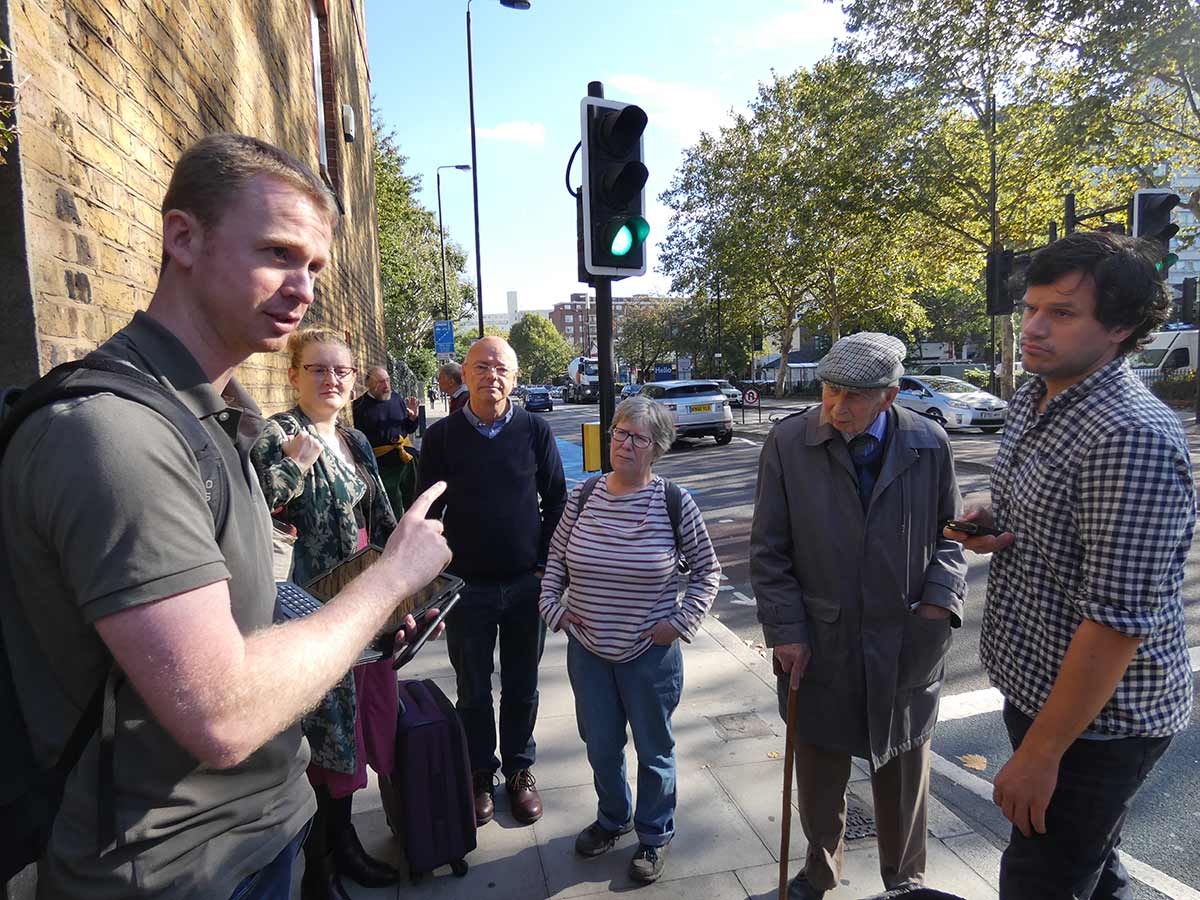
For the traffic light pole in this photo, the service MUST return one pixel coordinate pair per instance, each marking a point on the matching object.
(604, 351)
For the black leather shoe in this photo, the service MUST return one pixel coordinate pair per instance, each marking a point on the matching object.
(596, 839)
(353, 862)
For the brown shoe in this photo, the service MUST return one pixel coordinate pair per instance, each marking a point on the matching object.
(485, 805)
(523, 798)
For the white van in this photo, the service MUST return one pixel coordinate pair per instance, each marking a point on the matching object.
(1167, 352)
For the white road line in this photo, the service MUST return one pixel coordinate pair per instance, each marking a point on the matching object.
(990, 700)
(742, 600)
(724, 521)
(725, 587)
(1147, 874)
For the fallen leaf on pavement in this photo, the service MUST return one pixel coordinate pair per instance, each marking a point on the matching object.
(974, 761)
(773, 754)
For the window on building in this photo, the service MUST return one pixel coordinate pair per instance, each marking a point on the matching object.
(570, 318)
(328, 129)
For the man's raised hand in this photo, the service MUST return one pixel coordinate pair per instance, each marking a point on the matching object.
(417, 547)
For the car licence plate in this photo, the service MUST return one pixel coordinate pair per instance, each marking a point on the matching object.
(703, 407)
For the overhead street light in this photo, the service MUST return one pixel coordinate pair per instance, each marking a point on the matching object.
(511, 4)
(462, 167)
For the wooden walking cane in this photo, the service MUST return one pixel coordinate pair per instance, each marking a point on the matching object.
(789, 766)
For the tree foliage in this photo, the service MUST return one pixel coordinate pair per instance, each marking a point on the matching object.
(8, 131)
(543, 353)
(410, 260)
(464, 338)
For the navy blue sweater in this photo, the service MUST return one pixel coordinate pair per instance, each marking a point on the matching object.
(495, 524)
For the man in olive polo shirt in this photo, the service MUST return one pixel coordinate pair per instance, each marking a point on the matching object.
(111, 541)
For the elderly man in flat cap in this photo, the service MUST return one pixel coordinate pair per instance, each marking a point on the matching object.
(857, 593)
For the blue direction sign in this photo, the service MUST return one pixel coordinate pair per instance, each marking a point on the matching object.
(662, 371)
(443, 336)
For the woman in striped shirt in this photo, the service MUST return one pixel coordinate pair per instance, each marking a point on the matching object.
(624, 616)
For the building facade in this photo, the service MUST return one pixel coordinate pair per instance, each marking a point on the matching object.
(575, 319)
(111, 93)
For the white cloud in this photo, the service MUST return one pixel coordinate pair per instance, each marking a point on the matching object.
(811, 29)
(516, 133)
(683, 110)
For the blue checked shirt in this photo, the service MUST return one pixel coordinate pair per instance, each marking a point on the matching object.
(1098, 491)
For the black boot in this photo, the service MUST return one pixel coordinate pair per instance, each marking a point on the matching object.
(320, 877)
(349, 857)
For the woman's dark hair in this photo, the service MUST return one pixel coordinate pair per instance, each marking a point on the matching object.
(1130, 293)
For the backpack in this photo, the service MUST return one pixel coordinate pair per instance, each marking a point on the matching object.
(674, 498)
(30, 794)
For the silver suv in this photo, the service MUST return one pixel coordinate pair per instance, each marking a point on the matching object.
(699, 407)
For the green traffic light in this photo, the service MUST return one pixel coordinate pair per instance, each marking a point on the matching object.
(1166, 262)
(630, 234)
(622, 241)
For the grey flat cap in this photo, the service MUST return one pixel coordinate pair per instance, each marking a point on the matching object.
(864, 360)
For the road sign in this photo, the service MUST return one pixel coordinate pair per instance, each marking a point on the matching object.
(684, 363)
(662, 371)
(443, 336)
(751, 397)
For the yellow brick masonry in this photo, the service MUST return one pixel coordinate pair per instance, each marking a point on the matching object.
(114, 90)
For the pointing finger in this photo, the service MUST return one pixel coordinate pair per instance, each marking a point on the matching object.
(420, 506)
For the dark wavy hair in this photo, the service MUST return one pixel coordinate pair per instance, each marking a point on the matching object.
(1130, 293)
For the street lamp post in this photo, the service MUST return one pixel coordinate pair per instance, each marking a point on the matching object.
(463, 167)
(511, 4)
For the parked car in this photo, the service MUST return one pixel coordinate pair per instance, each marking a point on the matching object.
(732, 394)
(949, 369)
(952, 403)
(556, 393)
(538, 398)
(628, 391)
(699, 407)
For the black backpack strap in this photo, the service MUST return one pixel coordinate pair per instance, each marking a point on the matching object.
(586, 491)
(95, 374)
(674, 498)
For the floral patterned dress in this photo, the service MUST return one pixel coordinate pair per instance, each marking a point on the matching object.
(336, 509)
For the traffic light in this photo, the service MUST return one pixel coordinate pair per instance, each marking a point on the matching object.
(1187, 303)
(997, 273)
(614, 181)
(1152, 221)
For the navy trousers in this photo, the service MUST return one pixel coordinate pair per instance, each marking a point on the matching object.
(1077, 858)
(507, 610)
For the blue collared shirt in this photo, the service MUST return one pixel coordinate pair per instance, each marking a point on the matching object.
(488, 431)
(877, 429)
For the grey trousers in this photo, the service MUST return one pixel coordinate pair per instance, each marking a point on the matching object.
(901, 793)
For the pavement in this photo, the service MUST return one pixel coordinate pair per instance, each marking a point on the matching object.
(730, 747)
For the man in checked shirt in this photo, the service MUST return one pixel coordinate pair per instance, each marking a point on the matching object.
(1083, 630)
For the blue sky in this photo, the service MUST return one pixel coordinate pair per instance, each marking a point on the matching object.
(686, 62)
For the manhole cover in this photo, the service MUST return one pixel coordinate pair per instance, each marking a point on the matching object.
(734, 726)
(859, 821)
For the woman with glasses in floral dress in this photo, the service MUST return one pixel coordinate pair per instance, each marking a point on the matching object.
(321, 477)
(625, 618)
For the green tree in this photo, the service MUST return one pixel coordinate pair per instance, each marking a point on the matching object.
(541, 350)
(7, 103)
(788, 206)
(466, 337)
(410, 259)
(646, 333)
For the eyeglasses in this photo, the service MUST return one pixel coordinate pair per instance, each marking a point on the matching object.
(640, 441)
(341, 373)
(484, 369)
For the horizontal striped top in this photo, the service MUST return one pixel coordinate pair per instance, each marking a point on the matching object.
(621, 560)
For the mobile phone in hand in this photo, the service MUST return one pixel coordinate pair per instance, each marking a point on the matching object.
(424, 629)
(973, 529)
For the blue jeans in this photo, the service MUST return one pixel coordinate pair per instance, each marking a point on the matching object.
(642, 693)
(274, 880)
(1077, 859)
(508, 609)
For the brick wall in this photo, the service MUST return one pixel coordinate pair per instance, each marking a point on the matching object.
(112, 92)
